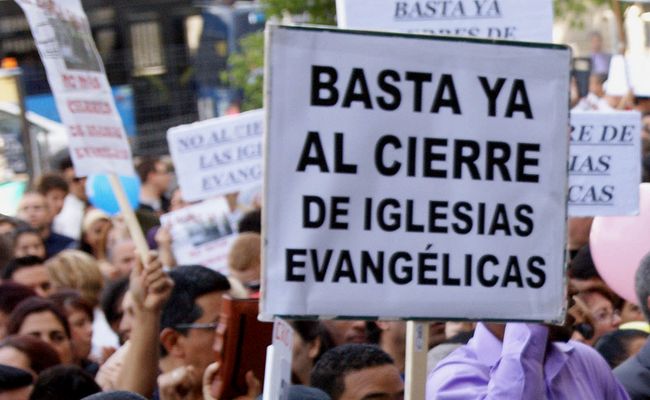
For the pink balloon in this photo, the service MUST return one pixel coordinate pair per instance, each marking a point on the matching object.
(619, 243)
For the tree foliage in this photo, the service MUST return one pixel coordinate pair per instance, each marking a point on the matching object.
(575, 8)
(318, 11)
(246, 70)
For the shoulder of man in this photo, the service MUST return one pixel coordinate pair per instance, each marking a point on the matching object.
(635, 378)
(59, 238)
(453, 373)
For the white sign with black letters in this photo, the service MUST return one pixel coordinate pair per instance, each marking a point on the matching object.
(530, 20)
(400, 187)
(605, 163)
(218, 156)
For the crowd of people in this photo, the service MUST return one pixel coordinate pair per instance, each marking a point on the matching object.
(84, 315)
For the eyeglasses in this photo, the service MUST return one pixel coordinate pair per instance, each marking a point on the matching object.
(205, 325)
(606, 316)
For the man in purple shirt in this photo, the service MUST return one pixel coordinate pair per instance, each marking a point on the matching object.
(519, 362)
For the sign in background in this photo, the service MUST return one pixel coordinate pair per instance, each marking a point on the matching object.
(201, 234)
(398, 187)
(605, 163)
(530, 20)
(218, 156)
(98, 141)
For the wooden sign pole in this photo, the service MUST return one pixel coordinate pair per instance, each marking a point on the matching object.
(129, 218)
(417, 347)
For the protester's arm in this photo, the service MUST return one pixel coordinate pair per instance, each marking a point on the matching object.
(150, 287)
(519, 374)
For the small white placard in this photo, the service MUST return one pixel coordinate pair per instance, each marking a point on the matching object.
(218, 156)
(201, 234)
(605, 163)
(530, 20)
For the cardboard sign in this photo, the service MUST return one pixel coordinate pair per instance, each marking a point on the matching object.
(218, 156)
(97, 139)
(629, 73)
(605, 163)
(530, 20)
(202, 234)
(428, 183)
(278, 362)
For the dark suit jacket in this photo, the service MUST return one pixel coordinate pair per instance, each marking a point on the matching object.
(634, 374)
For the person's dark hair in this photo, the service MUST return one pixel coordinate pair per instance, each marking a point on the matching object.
(329, 372)
(40, 354)
(145, 167)
(5, 219)
(642, 285)
(373, 332)
(310, 331)
(251, 222)
(69, 300)
(603, 291)
(190, 282)
(64, 382)
(14, 378)
(65, 163)
(645, 163)
(20, 263)
(6, 251)
(111, 299)
(35, 305)
(12, 294)
(614, 346)
(24, 230)
(582, 266)
(49, 182)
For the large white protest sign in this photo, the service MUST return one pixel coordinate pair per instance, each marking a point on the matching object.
(414, 176)
(218, 156)
(98, 142)
(201, 234)
(530, 20)
(604, 163)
